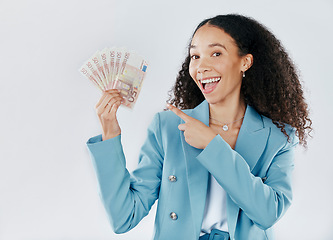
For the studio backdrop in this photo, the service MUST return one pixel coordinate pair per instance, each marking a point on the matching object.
(48, 188)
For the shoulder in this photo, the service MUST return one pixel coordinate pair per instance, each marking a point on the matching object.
(274, 129)
(168, 118)
(166, 122)
(277, 135)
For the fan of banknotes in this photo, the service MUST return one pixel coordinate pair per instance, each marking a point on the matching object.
(117, 68)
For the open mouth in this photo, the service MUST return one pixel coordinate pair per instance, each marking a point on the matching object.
(209, 84)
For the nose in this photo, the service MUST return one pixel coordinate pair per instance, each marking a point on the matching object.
(203, 67)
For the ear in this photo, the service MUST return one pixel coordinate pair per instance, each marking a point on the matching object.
(247, 62)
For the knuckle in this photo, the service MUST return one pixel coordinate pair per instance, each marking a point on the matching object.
(99, 112)
(102, 115)
(105, 115)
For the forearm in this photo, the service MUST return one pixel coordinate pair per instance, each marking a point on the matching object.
(128, 198)
(263, 203)
(114, 181)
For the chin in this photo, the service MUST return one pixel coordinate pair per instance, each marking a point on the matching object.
(212, 100)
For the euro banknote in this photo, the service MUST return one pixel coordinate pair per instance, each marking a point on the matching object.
(117, 68)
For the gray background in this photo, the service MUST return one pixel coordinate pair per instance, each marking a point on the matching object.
(47, 183)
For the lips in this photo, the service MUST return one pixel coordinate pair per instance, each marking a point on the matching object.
(209, 84)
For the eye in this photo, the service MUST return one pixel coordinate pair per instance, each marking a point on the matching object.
(216, 54)
(193, 57)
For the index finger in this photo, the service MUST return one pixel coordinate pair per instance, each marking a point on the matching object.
(179, 113)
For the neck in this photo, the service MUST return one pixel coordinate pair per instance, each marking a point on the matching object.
(228, 111)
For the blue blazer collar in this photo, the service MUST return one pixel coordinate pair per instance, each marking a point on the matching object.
(251, 142)
(252, 136)
(252, 120)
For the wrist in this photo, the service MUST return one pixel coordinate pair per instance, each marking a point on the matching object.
(109, 135)
(210, 138)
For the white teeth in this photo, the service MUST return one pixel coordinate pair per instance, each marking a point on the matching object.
(211, 80)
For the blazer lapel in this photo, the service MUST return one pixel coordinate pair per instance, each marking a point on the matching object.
(252, 137)
(251, 142)
(197, 175)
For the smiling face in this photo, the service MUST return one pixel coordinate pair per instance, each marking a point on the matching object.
(215, 65)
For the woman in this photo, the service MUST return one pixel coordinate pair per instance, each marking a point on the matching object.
(221, 168)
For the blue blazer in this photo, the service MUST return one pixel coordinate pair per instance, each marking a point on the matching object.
(256, 177)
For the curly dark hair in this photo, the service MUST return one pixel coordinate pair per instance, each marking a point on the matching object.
(271, 86)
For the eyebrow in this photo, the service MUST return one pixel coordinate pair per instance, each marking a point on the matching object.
(211, 45)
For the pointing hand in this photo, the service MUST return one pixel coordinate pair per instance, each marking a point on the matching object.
(196, 133)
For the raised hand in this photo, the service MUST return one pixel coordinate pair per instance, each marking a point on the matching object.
(196, 133)
(106, 110)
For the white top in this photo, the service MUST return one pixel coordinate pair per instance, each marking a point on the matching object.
(215, 215)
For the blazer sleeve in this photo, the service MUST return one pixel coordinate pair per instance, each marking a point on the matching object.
(127, 197)
(263, 202)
